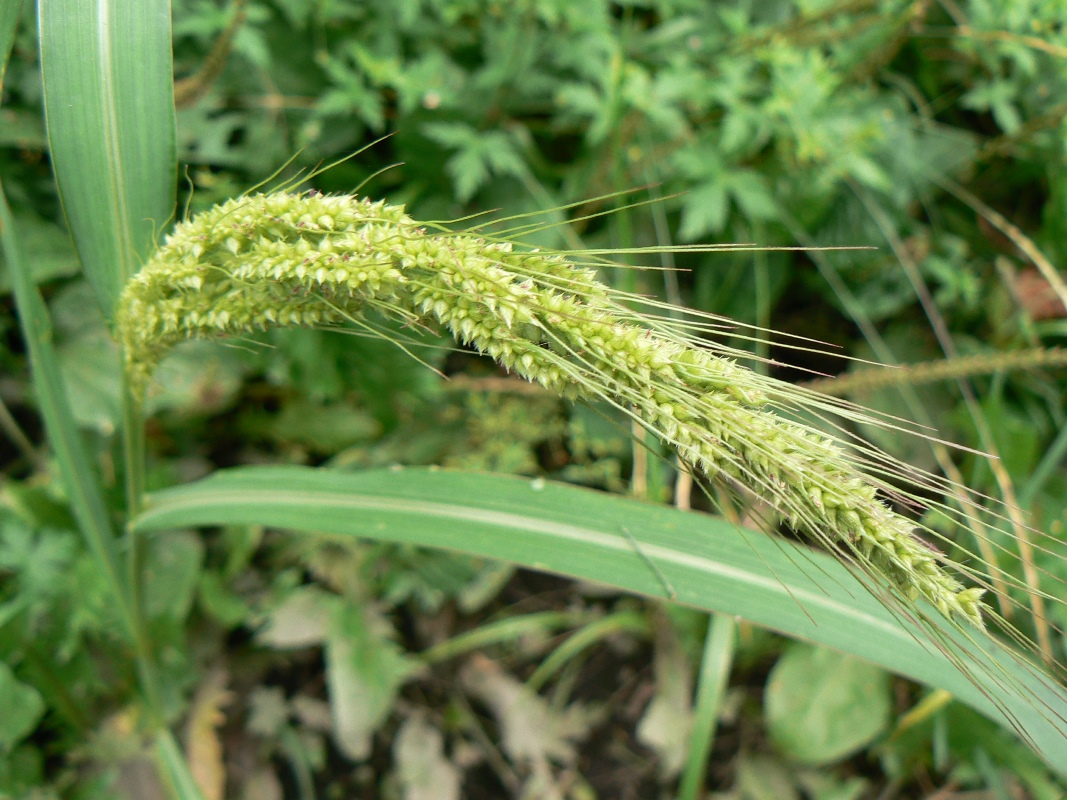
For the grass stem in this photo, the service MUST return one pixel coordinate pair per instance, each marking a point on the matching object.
(79, 478)
(715, 664)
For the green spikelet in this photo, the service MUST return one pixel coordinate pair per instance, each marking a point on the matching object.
(284, 259)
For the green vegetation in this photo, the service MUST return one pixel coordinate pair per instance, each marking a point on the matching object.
(176, 616)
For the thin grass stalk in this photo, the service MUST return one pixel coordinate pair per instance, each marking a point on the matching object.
(965, 31)
(1019, 239)
(763, 300)
(504, 630)
(86, 496)
(671, 289)
(1007, 142)
(1003, 479)
(133, 448)
(631, 622)
(917, 410)
(639, 450)
(191, 89)
(10, 426)
(1045, 469)
(958, 367)
(716, 662)
(683, 488)
(997, 576)
(174, 769)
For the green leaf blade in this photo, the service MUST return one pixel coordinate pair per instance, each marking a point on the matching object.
(699, 560)
(111, 130)
(174, 769)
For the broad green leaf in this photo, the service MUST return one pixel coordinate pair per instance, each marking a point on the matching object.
(695, 559)
(22, 768)
(478, 155)
(822, 705)
(108, 96)
(705, 210)
(822, 786)
(35, 563)
(220, 602)
(23, 709)
(752, 194)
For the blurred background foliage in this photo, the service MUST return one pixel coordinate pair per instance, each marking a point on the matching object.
(931, 130)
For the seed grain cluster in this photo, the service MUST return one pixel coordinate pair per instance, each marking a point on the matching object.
(287, 259)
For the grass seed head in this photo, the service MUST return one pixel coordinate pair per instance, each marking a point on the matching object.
(288, 259)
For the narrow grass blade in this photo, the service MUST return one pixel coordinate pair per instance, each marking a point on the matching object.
(75, 466)
(582, 639)
(715, 666)
(709, 563)
(9, 20)
(108, 96)
(174, 769)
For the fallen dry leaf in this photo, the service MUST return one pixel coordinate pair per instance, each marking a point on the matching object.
(667, 721)
(533, 732)
(421, 766)
(1037, 296)
(202, 746)
(301, 620)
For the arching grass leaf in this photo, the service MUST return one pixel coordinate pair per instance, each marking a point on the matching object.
(694, 559)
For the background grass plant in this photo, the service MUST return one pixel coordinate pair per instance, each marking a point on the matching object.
(837, 126)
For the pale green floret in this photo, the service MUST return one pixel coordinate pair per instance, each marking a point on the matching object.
(284, 259)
